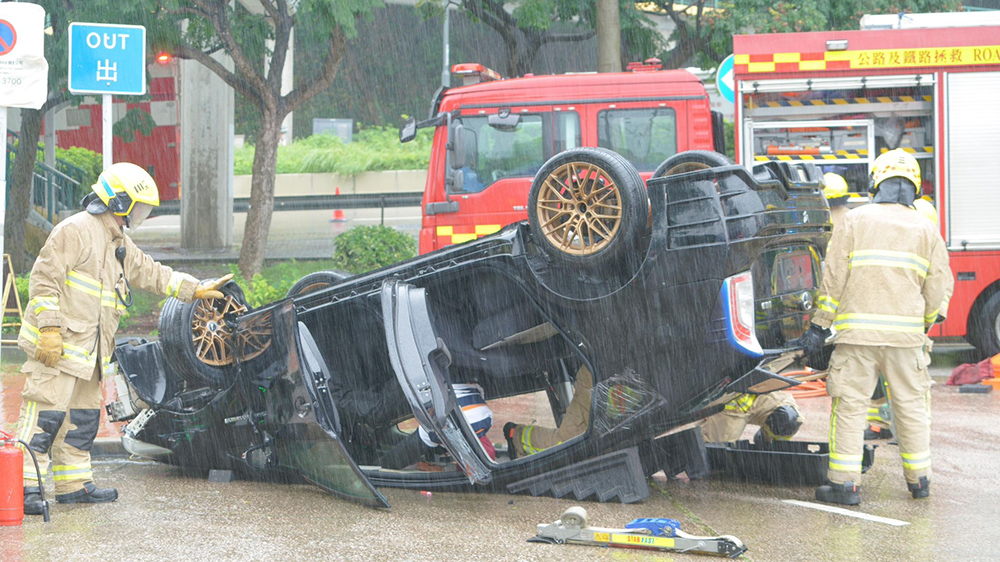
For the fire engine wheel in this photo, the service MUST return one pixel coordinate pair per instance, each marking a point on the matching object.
(317, 281)
(196, 340)
(984, 326)
(588, 205)
(691, 161)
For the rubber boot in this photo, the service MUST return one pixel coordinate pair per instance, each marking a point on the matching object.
(33, 501)
(89, 494)
(844, 494)
(920, 490)
(508, 434)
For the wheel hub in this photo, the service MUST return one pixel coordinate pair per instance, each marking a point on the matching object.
(579, 208)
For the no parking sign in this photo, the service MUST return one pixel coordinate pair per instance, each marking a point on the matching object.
(23, 71)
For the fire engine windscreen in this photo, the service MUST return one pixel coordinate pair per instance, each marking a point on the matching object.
(518, 152)
(646, 137)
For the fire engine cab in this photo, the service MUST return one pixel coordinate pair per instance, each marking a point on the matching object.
(492, 135)
(839, 99)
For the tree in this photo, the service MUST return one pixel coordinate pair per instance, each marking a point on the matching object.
(255, 34)
(22, 175)
(609, 41)
(531, 24)
(704, 29)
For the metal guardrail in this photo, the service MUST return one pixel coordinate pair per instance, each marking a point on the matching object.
(315, 202)
(52, 190)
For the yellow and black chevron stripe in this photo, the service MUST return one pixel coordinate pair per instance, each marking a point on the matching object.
(753, 104)
(838, 155)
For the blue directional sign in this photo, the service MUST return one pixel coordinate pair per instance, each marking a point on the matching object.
(725, 82)
(107, 59)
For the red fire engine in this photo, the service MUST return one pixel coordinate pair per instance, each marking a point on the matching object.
(493, 135)
(841, 98)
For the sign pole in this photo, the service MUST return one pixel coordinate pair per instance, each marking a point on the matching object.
(106, 125)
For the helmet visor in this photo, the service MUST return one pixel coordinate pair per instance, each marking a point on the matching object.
(138, 215)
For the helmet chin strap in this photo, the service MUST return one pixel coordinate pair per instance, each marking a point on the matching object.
(895, 190)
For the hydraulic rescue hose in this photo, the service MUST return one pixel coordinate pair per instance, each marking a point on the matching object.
(808, 389)
(41, 485)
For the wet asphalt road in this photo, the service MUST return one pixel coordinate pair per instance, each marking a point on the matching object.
(166, 514)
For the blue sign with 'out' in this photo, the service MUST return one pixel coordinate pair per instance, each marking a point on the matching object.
(107, 59)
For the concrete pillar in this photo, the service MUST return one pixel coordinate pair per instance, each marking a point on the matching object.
(206, 110)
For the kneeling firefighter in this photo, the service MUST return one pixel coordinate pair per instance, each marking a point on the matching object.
(79, 288)
(776, 413)
(885, 277)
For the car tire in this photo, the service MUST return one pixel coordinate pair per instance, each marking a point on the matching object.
(196, 343)
(316, 281)
(610, 204)
(690, 161)
(984, 326)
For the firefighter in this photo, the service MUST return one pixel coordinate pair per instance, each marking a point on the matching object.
(776, 413)
(885, 277)
(79, 288)
(879, 415)
(528, 439)
(837, 196)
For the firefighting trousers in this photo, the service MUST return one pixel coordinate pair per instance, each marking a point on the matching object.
(530, 439)
(728, 425)
(59, 419)
(854, 371)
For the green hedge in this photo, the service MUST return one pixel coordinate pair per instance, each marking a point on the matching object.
(365, 248)
(372, 150)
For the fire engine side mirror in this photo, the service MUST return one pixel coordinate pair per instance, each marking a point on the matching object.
(504, 120)
(462, 143)
(408, 131)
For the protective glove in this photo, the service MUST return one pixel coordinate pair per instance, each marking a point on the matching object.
(209, 289)
(813, 340)
(50, 346)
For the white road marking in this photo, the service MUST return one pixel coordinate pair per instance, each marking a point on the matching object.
(849, 513)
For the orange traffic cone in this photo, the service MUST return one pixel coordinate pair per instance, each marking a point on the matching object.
(338, 214)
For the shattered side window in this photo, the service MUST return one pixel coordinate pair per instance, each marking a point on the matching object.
(646, 137)
(620, 400)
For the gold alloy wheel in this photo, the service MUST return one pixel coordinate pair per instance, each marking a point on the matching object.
(212, 341)
(579, 208)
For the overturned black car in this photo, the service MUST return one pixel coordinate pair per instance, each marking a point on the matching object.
(670, 297)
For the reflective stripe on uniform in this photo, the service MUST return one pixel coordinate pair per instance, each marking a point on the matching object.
(526, 441)
(106, 367)
(174, 285)
(77, 354)
(30, 419)
(845, 463)
(827, 304)
(83, 283)
(110, 300)
(66, 472)
(879, 322)
(42, 304)
(889, 258)
(916, 461)
(742, 403)
(931, 317)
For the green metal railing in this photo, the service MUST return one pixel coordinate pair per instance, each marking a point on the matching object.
(51, 190)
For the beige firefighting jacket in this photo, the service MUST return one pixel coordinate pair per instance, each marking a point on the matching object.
(885, 278)
(73, 286)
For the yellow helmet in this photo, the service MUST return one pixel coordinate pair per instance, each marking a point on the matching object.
(896, 163)
(127, 191)
(926, 209)
(836, 186)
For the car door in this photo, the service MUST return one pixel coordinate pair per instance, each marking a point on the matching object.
(291, 373)
(420, 360)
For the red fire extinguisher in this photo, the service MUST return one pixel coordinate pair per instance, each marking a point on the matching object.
(12, 481)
